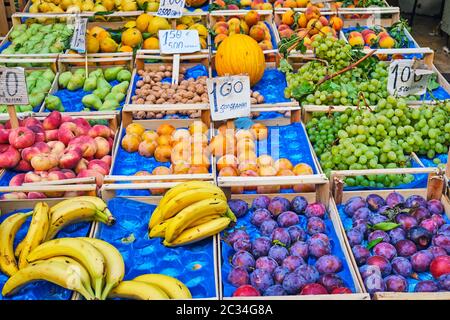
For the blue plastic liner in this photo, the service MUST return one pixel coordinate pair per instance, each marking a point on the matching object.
(429, 162)
(192, 264)
(347, 222)
(5, 45)
(253, 231)
(42, 290)
(71, 100)
(439, 93)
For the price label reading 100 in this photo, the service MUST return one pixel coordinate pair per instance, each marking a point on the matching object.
(171, 8)
(13, 86)
(224, 90)
(404, 75)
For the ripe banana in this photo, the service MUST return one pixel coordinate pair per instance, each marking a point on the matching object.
(179, 188)
(115, 267)
(78, 267)
(8, 230)
(173, 287)
(98, 202)
(72, 213)
(159, 230)
(19, 249)
(78, 249)
(36, 232)
(138, 290)
(62, 274)
(184, 199)
(200, 232)
(193, 212)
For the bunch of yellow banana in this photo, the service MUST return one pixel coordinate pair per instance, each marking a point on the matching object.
(190, 212)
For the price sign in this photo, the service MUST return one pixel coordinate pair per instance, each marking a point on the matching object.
(13, 87)
(405, 79)
(78, 42)
(178, 41)
(229, 97)
(170, 8)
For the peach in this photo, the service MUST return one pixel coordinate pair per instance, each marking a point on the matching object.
(282, 164)
(35, 149)
(200, 159)
(51, 135)
(267, 171)
(249, 173)
(323, 20)
(257, 33)
(328, 30)
(165, 129)
(4, 135)
(131, 142)
(221, 30)
(314, 25)
(227, 161)
(302, 21)
(366, 32)
(336, 23)
(99, 131)
(147, 148)
(84, 173)
(247, 165)
(103, 147)
(265, 160)
(282, 27)
(385, 42)
(266, 6)
(223, 130)
(286, 33)
(70, 158)
(66, 118)
(180, 135)
(66, 132)
(304, 188)
(370, 39)
(56, 175)
(87, 145)
(142, 173)
(99, 166)
(31, 177)
(44, 161)
(149, 135)
(163, 153)
(30, 121)
(199, 139)
(218, 24)
(159, 171)
(21, 138)
(56, 147)
(82, 164)
(302, 169)
(23, 166)
(14, 196)
(260, 131)
(288, 17)
(356, 41)
(244, 134)
(312, 12)
(290, 4)
(228, 172)
(180, 167)
(197, 170)
(107, 159)
(17, 180)
(164, 140)
(251, 18)
(247, 156)
(39, 133)
(52, 121)
(9, 156)
(220, 145)
(302, 3)
(83, 126)
(69, 174)
(135, 128)
(219, 38)
(285, 172)
(181, 151)
(265, 45)
(36, 195)
(245, 144)
(198, 127)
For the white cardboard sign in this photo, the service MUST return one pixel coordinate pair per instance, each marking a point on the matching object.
(405, 80)
(229, 97)
(178, 41)
(13, 86)
(78, 42)
(170, 8)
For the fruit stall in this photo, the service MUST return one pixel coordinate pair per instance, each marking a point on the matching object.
(232, 149)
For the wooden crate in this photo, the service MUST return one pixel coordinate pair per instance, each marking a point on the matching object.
(7, 9)
(434, 190)
(321, 195)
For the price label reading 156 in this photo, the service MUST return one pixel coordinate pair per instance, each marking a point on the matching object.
(170, 8)
(13, 87)
(178, 41)
(229, 97)
(405, 80)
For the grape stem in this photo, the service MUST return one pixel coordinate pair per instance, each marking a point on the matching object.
(349, 67)
(361, 95)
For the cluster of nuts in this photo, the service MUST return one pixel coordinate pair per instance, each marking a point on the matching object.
(256, 97)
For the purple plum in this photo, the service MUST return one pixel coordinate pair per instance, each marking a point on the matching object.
(361, 254)
(426, 286)
(308, 272)
(396, 283)
(444, 282)
(444, 229)
(318, 248)
(328, 264)
(315, 225)
(281, 235)
(442, 241)
(420, 213)
(260, 202)
(242, 244)
(368, 270)
(279, 273)
(362, 213)
(355, 237)
(402, 266)
(375, 202)
(299, 249)
(383, 263)
(261, 246)
(299, 204)
(315, 209)
(438, 219)
(396, 235)
(259, 216)
(383, 210)
(406, 221)
(331, 281)
(405, 248)
(386, 250)
(415, 201)
(430, 225)
(287, 219)
(266, 228)
(361, 225)
(266, 264)
(243, 259)
(261, 279)
(275, 290)
(235, 235)
(238, 207)
(420, 236)
(374, 283)
(435, 206)
(238, 277)
(421, 260)
(293, 283)
(437, 251)
(378, 234)
(394, 198)
(278, 205)
(296, 233)
(292, 262)
(278, 253)
(354, 204)
(320, 236)
(376, 218)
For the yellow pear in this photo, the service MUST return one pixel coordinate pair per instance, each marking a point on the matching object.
(202, 30)
(65, 4)
(158, 23)
(73, 9)
(99, 8)
(44, 7)
(108, 45)
(108, 4)
(92, 44)
(88, 5)
(34, 8)
(129, 5)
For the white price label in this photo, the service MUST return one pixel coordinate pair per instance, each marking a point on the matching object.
(13, 87)
(170, 8)
(178, 41)
(78, 42)
(405, 80)
(229, 97)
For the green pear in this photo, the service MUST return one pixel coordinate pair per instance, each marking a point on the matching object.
(36, 98)
(25, 108)
(49, 75)
(76, 82)
(64, 79)
(80, 72)
(121, 87)
(124, 75)
(53, 103)
(102, 83)
(101, 92)
(111, 73)
(92, 101)
(43, 85)
(117, 96)
(90, 84)
(96, 74)
(109, 105)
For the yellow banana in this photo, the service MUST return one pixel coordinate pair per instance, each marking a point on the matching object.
(203, 220)
(62, 274)
(194, 212)
(138, 290)
(98, 202)
(36, 232)
(72, 213)
(184, 199)
(19, 249)
(8, 230)
(179, 188)
(115, 267)
(80, 250)
(159, 231)
(200, 232)
(78, 267)
(173, 287)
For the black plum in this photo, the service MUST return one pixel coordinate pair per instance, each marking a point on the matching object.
(261, 280)
(437, 251)
(378, 234)
(275, 290)
(316, 209)
(243, 259)
(386, 250)
(328, 264)
(292, 262)
(402, 266)
(396, 283)
(287, 219)
(293, 283)
(296, 233)
(266, 228)
(266, 264)
(420, 236)
(444, 282)
(354, 204)
(375, 202)
(315, 225)
(308, 272)
(242, 244)
(261, 246)
(406, 221)
(405, 248)
(383, 263)
(396, 235)
(279, 205)
(430, 225)
(361, 254)
(415, 201)
(421, 260)
(278, 253)
(331, 281)
(299, 249)
(368, 270)
(426, 286)
(435, 206)
(238, 207)
(299, 204)
(376, 218)
(279, 273)
(355, 236)
(442, 241)
(238, 277)
(420, 213)
(394, 198)
(281, 235)
(362, 213)
(318, 248)
(259, 216)
(374, 283)
(235, 235)
(260, 202)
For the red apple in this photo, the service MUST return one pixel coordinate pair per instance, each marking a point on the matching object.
(4, 135)
(439, 266)
(39, 133)
(99, 166)
(70, 158)
(23, 166)
(246, 291)
(9, 156)
(66, 132)
(17, 180)
(87, 145)
(53, 121)
(100, 131)
(111, 143)
(91, 173)
(66, 118)
(21, 138)
(103, 147)
(36, 195)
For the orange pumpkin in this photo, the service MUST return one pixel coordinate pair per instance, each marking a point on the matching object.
(240, 54)
(195, 3)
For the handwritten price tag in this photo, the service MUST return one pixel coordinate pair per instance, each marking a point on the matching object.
(178, 41)
(78, 42)
(170, 8)
(13, 87)
(404, 79)
(229, 97)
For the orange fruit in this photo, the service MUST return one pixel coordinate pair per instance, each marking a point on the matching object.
(151, 43)
(132, 37)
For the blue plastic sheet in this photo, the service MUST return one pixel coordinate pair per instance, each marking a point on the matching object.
(71, 100)
(192, 264)
(253, 231)
(429, 162)
(42, 290)
(5, 45)
(439, 93)
(347, 222)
